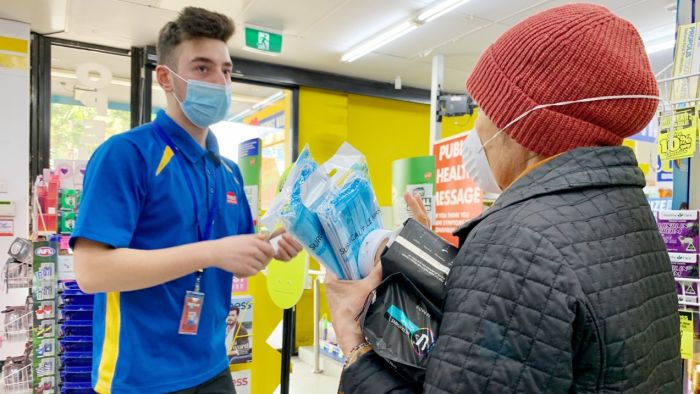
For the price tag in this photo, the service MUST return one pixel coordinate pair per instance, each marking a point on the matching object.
(684, 138)
(686, 335)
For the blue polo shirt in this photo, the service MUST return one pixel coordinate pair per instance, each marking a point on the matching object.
(135, 196)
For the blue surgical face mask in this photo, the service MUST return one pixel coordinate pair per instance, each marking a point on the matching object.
(205, 103)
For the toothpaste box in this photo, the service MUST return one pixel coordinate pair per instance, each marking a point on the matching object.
(679, 230)
(685, 266)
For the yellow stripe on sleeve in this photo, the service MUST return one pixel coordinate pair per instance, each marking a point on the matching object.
(110, 346)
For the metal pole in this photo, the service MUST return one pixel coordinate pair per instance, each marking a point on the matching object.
(435, 87)
(317, 336)
(287, 346)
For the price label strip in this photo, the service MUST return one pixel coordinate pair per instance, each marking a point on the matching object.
(687, 334)
(683, 139)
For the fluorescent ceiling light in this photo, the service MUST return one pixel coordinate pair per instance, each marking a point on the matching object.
(660, 39)
(660, 46)
(269, 100)
(262, 104)
(439, 10)
(378, 41)
(240, 116)
(425, 16)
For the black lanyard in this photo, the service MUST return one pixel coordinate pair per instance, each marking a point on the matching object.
(202, 235)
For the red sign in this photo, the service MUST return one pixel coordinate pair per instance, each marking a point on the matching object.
(457, 198)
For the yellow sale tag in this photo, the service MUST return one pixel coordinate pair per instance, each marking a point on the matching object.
(686, 335)
(684, 137)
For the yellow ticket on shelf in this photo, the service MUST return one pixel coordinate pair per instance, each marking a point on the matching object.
(684, 136)
(686, 335)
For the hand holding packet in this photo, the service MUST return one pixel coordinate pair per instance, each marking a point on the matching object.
(341, 194)
(299, 221)
(329, 209)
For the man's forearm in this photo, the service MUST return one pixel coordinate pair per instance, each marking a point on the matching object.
(101, 269)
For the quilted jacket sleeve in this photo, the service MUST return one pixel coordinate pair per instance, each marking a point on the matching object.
(507, 324)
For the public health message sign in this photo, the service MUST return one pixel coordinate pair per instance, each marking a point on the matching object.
(457, 198)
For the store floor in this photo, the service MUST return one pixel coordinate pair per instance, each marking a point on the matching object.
(304, 381)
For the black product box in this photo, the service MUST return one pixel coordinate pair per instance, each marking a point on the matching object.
(423, 256)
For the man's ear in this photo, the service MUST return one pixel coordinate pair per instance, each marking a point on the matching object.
(164, 78)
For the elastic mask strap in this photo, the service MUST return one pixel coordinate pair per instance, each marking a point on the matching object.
(593, 99)
(177, 75)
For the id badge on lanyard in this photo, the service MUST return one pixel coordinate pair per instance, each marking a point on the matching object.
(193, 303)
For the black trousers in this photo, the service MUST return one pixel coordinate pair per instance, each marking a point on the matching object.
(219, 384)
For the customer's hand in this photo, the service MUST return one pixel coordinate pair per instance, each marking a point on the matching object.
(287, 246)
(242, 255)
(346, 298)
(415, 205)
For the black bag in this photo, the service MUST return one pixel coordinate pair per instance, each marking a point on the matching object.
(401, 324)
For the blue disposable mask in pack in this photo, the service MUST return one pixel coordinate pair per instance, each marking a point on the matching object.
(205, 103)
(297, 219)
(341, 194)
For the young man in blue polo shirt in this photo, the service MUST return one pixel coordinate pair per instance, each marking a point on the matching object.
(164, 223)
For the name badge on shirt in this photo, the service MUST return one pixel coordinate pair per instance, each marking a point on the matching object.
(191, 312)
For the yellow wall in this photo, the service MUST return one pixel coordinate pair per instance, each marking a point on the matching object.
(384, 130)
(453, 126)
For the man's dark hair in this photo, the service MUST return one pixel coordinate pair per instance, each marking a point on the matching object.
(192, 23)
(235, 308)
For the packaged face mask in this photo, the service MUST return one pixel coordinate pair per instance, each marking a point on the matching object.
(297, 219)
(341, 194)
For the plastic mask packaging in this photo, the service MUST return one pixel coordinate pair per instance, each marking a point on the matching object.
(297, 219)
(341, 194)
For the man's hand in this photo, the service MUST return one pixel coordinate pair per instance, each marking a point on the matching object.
(242, 255)
(287, 246)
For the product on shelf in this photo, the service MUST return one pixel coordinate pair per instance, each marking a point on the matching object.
(679, 230)
(685, 266)
(44, 290)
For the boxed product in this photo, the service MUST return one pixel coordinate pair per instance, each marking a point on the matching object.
(679, 230)
(66, 222)
(423, 256)
(68, 200)
(685, 266)
(47, 223)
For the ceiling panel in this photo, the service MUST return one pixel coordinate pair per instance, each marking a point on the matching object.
(358, 20)
(422, 40)
(475, 42)
(289, 16)
(44, 16)
(121, 24)
(317, 32)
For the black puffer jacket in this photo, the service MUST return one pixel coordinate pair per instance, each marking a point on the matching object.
(564, 285)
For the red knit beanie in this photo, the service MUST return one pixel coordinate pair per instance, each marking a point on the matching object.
(566, 53)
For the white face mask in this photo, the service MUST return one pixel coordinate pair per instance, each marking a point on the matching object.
(476, 163)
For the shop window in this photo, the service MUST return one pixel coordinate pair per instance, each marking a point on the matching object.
(90, 98)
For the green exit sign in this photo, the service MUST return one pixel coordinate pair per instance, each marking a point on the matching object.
(263, 40)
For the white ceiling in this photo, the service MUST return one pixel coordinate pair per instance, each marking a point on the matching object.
(317, 32)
